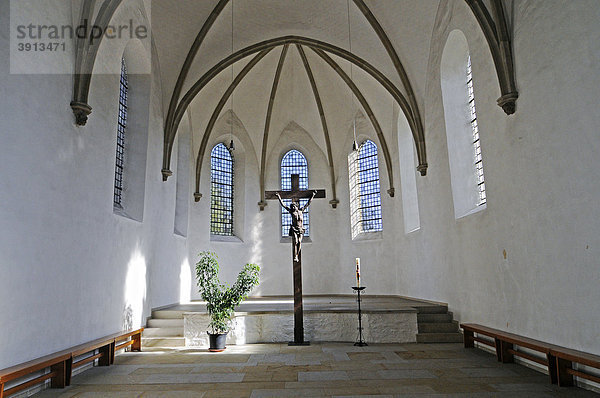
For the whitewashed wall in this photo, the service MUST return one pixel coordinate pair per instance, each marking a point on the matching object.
(70, 267)
(541, 167)
(73, 264)
(541, 176)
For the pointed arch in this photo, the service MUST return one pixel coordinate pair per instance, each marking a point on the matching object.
(334, 202)
(215, 115)
(313, 44)
(365, 104)
(265, 141)
(496, 33)
(462, 130)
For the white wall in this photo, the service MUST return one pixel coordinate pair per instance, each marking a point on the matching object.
(541, 178)
(67, 259)
(70, 267)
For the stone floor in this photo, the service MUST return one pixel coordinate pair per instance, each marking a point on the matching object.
(319, 370)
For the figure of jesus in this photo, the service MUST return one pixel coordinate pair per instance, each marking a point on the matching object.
(297, 227)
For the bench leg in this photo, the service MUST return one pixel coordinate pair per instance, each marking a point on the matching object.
(506, 355)
(68, 371)
(564, 378)
(137, 342)
(1, 390)
(468, 336)
(552, 371)
(498, 345)
(104, 360)
(60, 379)
(112, 352)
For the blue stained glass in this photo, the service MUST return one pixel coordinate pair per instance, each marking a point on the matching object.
(221, 191)
(293, 162)
(370, 192)
(121, 128)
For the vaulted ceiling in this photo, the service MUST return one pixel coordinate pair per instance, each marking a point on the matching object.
(316, 63)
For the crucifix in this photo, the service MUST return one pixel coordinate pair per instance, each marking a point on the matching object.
(296, 232)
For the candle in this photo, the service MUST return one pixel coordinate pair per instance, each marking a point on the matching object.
(357, 271)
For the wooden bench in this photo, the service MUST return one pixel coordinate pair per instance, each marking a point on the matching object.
(62, 364)
(565, 357)
(559, 360)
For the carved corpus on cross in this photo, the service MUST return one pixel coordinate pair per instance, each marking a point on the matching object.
(295, 195)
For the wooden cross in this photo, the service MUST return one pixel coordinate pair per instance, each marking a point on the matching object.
(295, 195)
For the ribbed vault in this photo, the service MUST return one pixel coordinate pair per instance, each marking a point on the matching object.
(304, 31)
(262, 49)
(177, 107)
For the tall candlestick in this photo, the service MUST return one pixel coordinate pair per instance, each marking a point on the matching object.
(357, 271)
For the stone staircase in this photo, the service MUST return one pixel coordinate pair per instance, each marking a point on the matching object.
(436, 325)
(164, 329)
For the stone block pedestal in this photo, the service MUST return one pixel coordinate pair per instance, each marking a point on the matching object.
(332, 326)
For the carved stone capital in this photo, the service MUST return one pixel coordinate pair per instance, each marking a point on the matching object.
(334, 203)
(81, 111)
(391, 192)
(197, 196)
(262, 204)
(508, 102)
(166, 173)
(422, 168)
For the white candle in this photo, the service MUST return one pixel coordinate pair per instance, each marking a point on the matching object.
(358, 271)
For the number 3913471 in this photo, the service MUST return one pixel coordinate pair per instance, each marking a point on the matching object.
(41, 46)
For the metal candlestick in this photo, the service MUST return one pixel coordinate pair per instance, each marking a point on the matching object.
(360, 342)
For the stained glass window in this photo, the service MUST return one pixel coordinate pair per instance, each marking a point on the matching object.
(365, 192)
(293, 162)
(221, 191)
(121, 129)
(475, 130)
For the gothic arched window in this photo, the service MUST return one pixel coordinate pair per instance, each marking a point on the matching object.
(293, 162)
(121, 129)
(221, 191)
(365, 193)
(462, 127)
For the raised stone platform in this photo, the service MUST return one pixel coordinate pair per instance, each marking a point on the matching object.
(386, 319)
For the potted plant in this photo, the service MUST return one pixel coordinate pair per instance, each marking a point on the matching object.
(220, 298)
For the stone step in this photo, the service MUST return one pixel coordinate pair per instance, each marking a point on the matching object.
(164, 323)
(163, 332)
(167, 314)
(163, 342)
(432, 309)
(433, 318)
(438, 327)
(439, 338)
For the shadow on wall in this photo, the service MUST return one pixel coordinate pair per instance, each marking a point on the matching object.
(135, 291)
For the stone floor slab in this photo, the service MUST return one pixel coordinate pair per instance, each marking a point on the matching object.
(326, 375)
(194, 378)
(319, 370)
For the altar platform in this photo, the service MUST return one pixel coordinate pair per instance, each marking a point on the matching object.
(327, 318)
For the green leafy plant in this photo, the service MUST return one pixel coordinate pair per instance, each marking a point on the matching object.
(221, 299)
